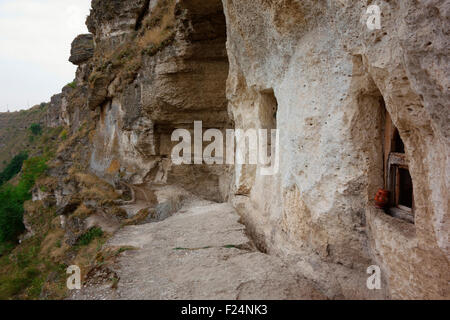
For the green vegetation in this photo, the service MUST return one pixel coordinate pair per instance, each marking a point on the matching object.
(19, 283)
(72, 84)
(191, 249)
(90, 235)
(230, 246)
(26, 267)
(36, 129)
(155, 32)
(15, 132)
(63, 134)
(24, 272)
(158, 29)
(13, 167)
(12, 199)
(126, 248)
(5, 247)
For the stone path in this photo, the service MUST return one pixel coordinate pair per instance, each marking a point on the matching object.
(201, 252)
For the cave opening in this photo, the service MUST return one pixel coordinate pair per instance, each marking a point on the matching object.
(397, 143)
(397, 178)
(197, 94)
(268, 117)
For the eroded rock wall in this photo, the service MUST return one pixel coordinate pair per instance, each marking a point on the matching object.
(176, 80)
(332, 79)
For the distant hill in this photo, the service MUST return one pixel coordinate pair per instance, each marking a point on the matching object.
(15, 132)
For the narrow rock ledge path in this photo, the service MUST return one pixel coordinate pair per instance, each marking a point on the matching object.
(201, 252)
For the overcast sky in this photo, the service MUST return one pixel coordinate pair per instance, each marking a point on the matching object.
(35, 38)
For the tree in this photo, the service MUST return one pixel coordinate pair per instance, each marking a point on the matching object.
(13, 167)
(12, 199)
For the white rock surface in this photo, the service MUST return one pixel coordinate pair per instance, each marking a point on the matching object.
(202, 252)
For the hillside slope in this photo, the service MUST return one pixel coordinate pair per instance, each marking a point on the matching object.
(15, 131)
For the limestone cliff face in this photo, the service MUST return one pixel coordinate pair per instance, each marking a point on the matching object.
(311, 69)
(328, 71)
(179, 76)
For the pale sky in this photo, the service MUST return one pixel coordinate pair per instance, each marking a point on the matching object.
(35, 38)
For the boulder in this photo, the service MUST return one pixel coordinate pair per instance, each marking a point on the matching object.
(82, 49)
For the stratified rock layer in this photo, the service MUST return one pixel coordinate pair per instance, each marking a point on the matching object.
(82, 49)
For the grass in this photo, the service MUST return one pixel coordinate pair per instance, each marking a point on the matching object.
(158, 27)
(123, 63)
(6, 247)
(228, 246)
(72, 84)
(126, 248)
(34, 269)
(23, 272)
(63, 135)
(89, 236)
(190, 249)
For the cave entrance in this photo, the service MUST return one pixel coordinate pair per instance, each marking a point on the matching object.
(197, 82)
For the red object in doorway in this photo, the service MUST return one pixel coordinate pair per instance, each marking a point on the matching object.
(382, 198)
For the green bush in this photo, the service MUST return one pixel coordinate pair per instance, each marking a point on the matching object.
(90, 235)
(16, 285)
(13, 167)
(72, 84)
(12, 199)
(5, 248)
(36, 129)
(11, 213)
